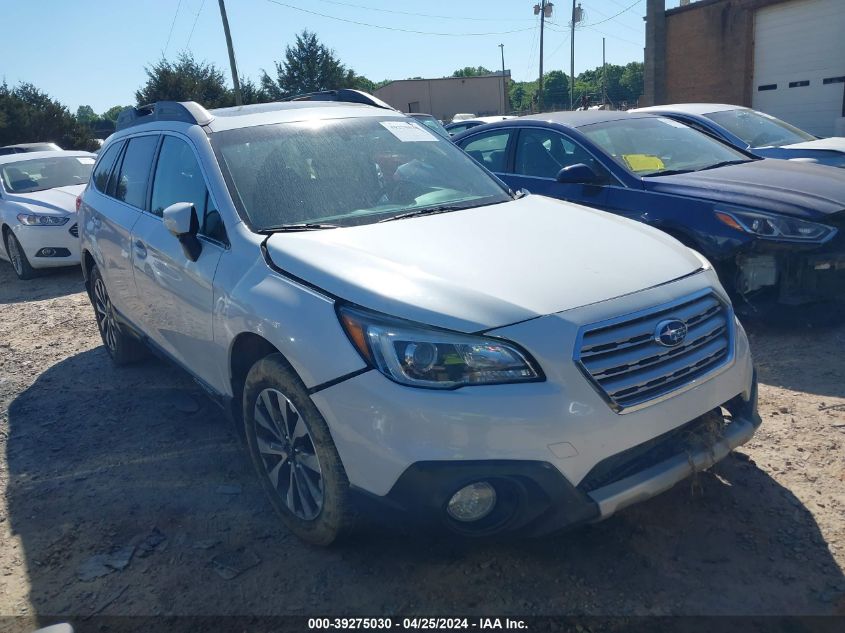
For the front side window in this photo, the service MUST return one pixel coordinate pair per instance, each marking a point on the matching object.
(346, 172)
(26, 176)
(542, 153)
(654, 146)
(489, 149)
(131, 182)
(178, 178)
(758, 129)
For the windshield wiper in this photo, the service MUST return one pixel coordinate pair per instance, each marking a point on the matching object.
(666, 172)
(725, 163)
(426, 211)
(301, 226)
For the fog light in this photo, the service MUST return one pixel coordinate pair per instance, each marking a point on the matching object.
(45, 252)
(472, 502)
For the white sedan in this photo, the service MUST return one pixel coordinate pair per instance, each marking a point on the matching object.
(38, 193)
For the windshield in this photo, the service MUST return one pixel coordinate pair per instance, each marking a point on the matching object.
(347, 172)
(651, 146)
(758, 129)
(26, 176)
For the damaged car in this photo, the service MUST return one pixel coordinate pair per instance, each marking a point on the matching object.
(386, 320)
(774, 230)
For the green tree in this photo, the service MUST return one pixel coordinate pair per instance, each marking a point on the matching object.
(555, 90)
(85, 114)
(472, 71)
(185, 79)
(251, 92)
(28, 115)
(309, 66)
(112, 113)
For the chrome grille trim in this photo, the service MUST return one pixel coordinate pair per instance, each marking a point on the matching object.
(630, 370)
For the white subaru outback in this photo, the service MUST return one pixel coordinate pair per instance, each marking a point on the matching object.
(385, 317)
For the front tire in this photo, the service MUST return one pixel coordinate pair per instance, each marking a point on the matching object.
(293, 453)
(17, 257)
(123, 348)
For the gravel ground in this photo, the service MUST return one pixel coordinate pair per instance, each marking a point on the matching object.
(126, 492)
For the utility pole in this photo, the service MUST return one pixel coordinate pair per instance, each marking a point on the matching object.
(235, 83)
(545, 11)
(572, 59)
(505, 104)
(603, 75)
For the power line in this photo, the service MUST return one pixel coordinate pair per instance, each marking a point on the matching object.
(615, 15)
(392, 28)
(422, 15)
(188, 43)
(172, 24)
(610, 17)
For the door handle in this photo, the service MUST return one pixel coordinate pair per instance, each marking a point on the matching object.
(140, 249)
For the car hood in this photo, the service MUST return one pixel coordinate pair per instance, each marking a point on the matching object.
(797, 189)
(486, 267)
(60, 199)
(836, 143)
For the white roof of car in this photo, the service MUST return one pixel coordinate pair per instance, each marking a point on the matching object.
(18, 158)
(269, 113)
(691, 108)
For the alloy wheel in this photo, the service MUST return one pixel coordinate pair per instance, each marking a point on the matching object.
(105, 314)
(288, 454)
(14, 254)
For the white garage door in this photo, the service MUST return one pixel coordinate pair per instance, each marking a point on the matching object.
(799, 63)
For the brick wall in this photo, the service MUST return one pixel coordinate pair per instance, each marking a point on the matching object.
(709, 52)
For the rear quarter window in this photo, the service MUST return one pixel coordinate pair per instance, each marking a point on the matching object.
(104, 166)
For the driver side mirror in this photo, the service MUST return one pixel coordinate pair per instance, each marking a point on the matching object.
(181, 220)
(578, 173)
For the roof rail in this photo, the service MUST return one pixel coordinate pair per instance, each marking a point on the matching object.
(344, 94)
(185, 111)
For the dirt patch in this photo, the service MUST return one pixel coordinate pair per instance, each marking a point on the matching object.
(126, 492)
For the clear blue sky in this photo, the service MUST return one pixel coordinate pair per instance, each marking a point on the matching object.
(94, 51)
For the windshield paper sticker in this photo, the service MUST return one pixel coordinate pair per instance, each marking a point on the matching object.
(408, 132)
(643, 162)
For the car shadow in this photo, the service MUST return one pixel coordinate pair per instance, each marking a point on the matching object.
(52, 283)
(129, 494)
(805, 359)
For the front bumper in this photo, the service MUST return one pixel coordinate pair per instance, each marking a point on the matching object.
(535, 499)
(59, 238)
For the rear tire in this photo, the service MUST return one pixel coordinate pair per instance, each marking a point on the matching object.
(122, 347)
(293, 453)
(17, 257)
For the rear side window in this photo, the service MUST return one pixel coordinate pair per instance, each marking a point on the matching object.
(104, 166)
(178, 178)
(131, 185)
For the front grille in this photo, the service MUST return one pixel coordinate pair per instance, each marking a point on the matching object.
(74, 230)
(630, 368)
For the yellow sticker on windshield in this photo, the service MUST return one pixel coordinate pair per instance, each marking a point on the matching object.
(643, 162)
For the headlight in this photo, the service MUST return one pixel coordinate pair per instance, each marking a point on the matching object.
(35, 219)
(775, 227)
(423, 356)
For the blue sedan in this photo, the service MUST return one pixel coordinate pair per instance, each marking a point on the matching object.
(757, 132)
(774, 230)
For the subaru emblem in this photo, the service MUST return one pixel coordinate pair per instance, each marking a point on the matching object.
(670, 333)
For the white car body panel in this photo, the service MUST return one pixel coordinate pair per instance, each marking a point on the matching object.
(486, 267)
(835, 143)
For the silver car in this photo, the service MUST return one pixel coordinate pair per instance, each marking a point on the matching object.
(386, 318)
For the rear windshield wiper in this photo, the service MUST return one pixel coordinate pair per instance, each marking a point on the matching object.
(301, 226)
(426, 211)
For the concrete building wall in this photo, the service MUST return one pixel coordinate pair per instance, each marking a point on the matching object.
(443, 98)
